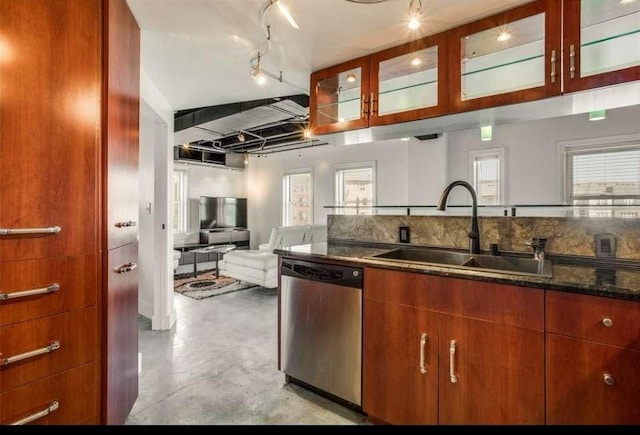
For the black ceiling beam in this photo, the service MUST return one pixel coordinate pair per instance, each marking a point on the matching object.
(190, 118)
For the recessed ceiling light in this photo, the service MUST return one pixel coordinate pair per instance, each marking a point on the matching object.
(504, 36)
(351, 78)
(405, 139)
(416, 61)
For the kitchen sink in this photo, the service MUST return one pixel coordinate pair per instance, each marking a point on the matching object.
(459, 260)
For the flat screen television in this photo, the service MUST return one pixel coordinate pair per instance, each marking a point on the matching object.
(222, 213)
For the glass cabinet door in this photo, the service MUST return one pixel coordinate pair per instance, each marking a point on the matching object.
(602, 43)
(508, 58)
(409, 82)
(340, 98)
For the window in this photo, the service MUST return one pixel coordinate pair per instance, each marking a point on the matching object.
(486, 169)
(602, 177)
(297, 198)
(180, 201)
(356, 188)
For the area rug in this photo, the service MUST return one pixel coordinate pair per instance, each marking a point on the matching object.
(206, 286)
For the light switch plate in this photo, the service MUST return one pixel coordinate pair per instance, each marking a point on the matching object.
(605, 246)
(404, 235)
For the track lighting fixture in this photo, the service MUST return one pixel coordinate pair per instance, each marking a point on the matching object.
(285, 13)
(257, 74)
(241, 137)
(307, 134)
(415, 14)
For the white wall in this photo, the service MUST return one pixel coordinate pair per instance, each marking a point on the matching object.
(156, 237)
(208, 181)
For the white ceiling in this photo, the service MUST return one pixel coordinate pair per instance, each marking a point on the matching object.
(197, 51)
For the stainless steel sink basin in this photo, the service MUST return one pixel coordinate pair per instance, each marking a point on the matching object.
(459, 260)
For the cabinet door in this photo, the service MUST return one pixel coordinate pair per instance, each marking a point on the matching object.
(601, 43)
(123, 114)
(400, 365)
(410, 82)
(490, 373)
(50, 119)
(589, 383)
(122, 333)
(340, 97)
(509, 58)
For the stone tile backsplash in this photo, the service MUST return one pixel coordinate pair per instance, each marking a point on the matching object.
(570, 236)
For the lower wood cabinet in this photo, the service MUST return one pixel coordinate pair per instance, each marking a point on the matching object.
(400, 366)
(490, 373)
(591, 383)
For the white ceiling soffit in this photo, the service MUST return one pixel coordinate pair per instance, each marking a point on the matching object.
(197, 51)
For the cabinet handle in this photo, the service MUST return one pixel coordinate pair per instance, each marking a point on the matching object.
(553, 66)
(374, 109)
(28, 231)
(53, 406)
(126, 268)
(127, 224)
(423, 343)
(607, 322)
(36, 291)
(572, 61)
(452, 362)
(608, 379)
(47, 349)
(365, 102)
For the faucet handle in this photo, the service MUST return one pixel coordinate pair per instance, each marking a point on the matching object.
(537, 242)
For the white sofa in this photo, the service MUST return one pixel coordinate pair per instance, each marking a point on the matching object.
(260, 267)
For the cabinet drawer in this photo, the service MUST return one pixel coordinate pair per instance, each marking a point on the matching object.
(76, 333)
(75, 391)
(77, 278)
(412, 289)
(590, 383)
(510, 305)
(594, 318)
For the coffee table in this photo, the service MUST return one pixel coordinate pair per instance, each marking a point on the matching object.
(219, 250)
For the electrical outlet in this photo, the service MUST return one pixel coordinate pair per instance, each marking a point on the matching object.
(404, 234)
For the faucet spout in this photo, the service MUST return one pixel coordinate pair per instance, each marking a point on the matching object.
(474, 233)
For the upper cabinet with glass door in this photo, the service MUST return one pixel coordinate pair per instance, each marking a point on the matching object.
(508, 58)
(409, 82)
(601, 43)
(340, 97)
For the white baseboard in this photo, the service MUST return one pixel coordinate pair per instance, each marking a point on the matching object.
(145, 308)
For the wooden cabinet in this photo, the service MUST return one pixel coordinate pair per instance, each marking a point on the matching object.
(400, 364)
(508, 58)
(601, 41)
(490, 373)
(591, 383)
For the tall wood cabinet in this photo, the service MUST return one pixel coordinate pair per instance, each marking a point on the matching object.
(68, 139)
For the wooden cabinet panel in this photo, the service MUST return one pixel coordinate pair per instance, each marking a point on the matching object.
(75, 391)
(75, 332)
(510, 305)
(413, 289)
(122, 117)
(121, 350)
(577, 391)
(397, 388)
(77, 278)
(499, 370)
(599, 319)
(492, 61)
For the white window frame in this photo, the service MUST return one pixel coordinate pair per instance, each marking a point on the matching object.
(184, 224)
(564, 148)
(287, 173)
(502, 173)
(359, 165)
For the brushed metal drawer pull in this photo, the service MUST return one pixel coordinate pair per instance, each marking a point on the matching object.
(27, 231)
(452, 362)
(127, 224)
(126, 268)
(553, 66)
(607, 322)
(53, 406)
(47, 349)
(423, 343)
(572, 61)
(36, 291)
(608, 379)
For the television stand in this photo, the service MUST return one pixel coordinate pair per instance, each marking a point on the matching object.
(225, 236)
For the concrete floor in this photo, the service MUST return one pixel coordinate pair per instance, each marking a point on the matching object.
(218, 366)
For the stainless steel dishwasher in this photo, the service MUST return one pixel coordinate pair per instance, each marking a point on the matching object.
(321, 327)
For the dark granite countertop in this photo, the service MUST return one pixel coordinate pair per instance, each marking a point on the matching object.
(609, 281)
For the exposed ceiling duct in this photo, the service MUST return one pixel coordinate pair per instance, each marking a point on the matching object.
(256, 127)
